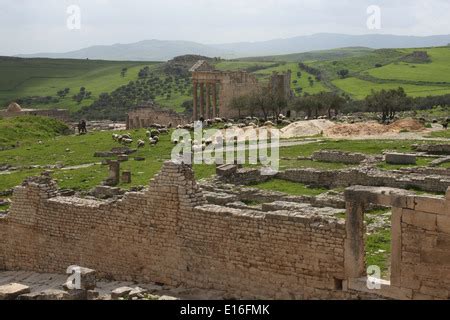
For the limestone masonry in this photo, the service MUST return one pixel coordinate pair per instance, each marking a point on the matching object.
(214, 90)
(169, 234)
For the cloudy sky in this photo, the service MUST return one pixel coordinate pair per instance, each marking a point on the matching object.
(30, 26)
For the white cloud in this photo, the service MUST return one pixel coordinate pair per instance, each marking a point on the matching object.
(30, 26)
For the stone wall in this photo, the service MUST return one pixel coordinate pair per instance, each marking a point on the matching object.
(59, 114)
(433, 148)
(145, 116)
(349, 177)
(420, 258)
(168, 234)
(338, 156)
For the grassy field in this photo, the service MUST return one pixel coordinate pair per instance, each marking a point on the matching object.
(357, 63)
(75, 151)
(436, 71)
(359, 89)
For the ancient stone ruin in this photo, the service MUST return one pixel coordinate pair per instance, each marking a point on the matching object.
(145, 115)
(171, 234)
(15, 110)
(214, 90)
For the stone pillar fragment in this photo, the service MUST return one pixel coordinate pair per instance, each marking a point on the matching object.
(354, 242)
(114, 174)
(195, 95)
(214, 100)
(126, 177)
(202, 100)
(208, 101)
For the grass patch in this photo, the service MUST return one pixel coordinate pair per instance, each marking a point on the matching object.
(440, 134)
(378, 250)
(292, 188)
(421, 162)
(29, 128)
(4, 207)
(8, 181)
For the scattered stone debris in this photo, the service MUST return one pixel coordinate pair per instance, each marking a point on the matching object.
(439, 161)
(48, 294)
(106, 192)
(12, 291)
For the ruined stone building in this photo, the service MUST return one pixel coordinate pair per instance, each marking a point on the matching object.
(15, 110)
(169, 234)
(146, 115)
(214, 90)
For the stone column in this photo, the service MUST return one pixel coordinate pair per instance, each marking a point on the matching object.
(195, 93)
(214, 100)
(114, 174)
(202, 100)
(208, 101)
(354, 242)
(126, 177)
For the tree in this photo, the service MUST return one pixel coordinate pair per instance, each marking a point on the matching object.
(188, 106)
(343, 73)
(388, 102)
(123, 72)
(242, 103)
(319, 104)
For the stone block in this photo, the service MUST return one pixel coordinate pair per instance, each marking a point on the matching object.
(12, 291)
(431, 204)
(83, 279)
(121, 292)
(126, 177)
(122, 157)
(423, 220)
(400, 158)
(436, 257)
(443, 224)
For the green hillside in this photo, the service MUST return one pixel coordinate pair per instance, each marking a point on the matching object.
(35, 82)
(436, 71)
(29, 128)
(45, 77)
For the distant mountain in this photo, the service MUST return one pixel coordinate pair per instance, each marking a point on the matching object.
(148, 50)
(159, 50)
